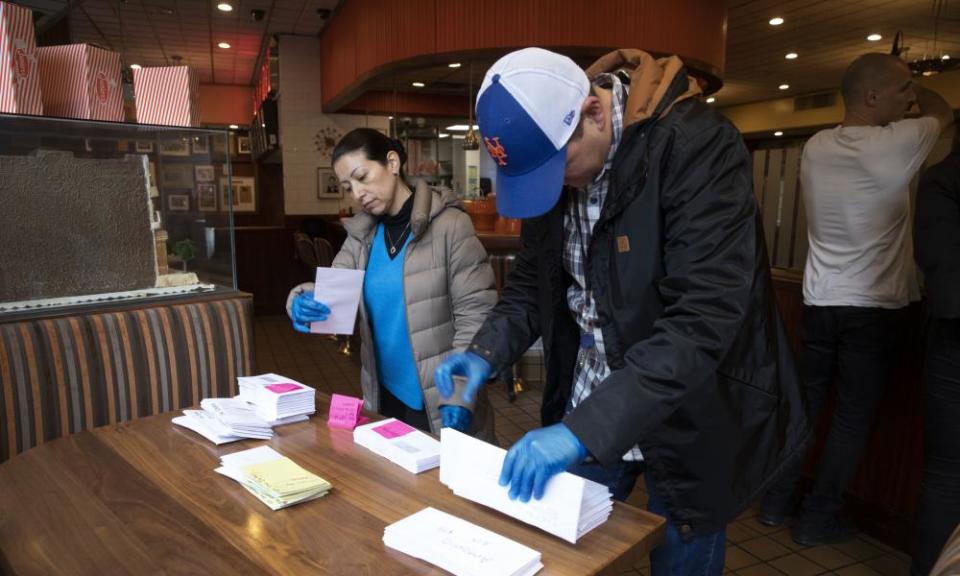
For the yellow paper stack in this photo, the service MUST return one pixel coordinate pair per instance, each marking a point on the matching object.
(275, 480)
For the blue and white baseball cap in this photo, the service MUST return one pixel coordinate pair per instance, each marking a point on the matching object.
(527, 109)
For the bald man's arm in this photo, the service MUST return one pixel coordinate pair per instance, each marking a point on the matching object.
(933, 104)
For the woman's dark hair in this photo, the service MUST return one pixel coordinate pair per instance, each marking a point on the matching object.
(374, 144)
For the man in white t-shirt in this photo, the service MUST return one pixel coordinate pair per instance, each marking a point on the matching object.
(859, 274)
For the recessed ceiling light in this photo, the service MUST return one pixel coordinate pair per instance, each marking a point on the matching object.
(224, 45)
(784, 86)
(945, 57)
(458, 136)
(225, 7)
(461, 128)
(135, 66)
(874, 37)
(453, 65)
(776, 21)
(443, 135)
(711, 100)
(234, 127)
(791, 56)
(418, 84)
(778, 133)
(927, 73)
(389, 117)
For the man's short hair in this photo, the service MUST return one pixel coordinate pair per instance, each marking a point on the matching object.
(867, 72)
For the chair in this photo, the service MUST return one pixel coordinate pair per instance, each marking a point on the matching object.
(305, 251)
(324, 252)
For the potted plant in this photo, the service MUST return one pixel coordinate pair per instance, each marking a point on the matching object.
(186, 250)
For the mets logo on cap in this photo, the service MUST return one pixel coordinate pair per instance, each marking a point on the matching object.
(527, 109)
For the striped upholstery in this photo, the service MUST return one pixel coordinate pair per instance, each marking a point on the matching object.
(63, 375)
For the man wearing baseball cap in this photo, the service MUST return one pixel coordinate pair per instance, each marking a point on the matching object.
(644, 270)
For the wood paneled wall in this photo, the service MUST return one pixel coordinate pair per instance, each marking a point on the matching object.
(365, 38)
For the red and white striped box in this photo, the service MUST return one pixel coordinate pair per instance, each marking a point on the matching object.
(81, 81)
(19, 77)
(168, 95)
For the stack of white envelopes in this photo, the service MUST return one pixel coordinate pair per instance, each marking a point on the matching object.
(238, 417)
(277, 397)
(460, 547)
(274, 479)
(400, 443)
(571, 506)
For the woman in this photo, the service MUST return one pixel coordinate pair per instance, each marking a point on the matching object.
(418, 243)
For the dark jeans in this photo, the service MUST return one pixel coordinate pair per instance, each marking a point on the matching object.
(701, 556)
(938, 510)
(393, 407)
(860, 345)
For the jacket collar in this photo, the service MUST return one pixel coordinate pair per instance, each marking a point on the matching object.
(653, 82)
(427, 204)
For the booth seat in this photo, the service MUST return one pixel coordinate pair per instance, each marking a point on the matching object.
(62, 374)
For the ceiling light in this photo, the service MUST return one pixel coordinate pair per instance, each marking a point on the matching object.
(874, 37)
(224, 7)
(453, 65)
(224, 45)
(418, 84)
(711, 100)
(135, 66)
(234, 127)
(928, 73)
(791, 56)
(461, 128)
(778, 133)
(389, 117)
(776, 21)
(459, 136)
(443, 135)
(784, 86)
(945, 57)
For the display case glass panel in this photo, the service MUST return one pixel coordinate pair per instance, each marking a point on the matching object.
(99, 212)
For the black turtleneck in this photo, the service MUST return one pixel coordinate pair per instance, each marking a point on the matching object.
(396, 228)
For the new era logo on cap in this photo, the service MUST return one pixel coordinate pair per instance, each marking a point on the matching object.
(527, 109)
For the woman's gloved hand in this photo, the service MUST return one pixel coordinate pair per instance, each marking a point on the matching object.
(306, 310)
(456, 417)
(467, 364)
(536, 457)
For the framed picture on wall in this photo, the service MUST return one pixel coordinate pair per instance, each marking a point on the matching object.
(205, 173)
(241, 193)
(144, 147)
(176, 176)
(175, 147)
(178, 202)
(200, 145)
(328, 187)
(207, 197)
(243, 144)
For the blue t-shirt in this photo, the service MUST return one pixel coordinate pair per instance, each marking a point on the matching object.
(386, 307)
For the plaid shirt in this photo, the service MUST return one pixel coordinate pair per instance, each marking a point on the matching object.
(583, 211)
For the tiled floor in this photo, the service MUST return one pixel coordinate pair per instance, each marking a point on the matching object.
(752, 549)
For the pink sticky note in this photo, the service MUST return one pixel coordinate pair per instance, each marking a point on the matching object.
(394, 429)
(285, 387)
(344, 411)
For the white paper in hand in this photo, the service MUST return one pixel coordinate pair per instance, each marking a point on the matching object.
(340, 289)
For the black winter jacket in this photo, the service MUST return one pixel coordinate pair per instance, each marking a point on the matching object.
(937, 232)
(702, 376)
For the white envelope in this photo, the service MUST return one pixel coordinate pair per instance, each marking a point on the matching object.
(340, 289)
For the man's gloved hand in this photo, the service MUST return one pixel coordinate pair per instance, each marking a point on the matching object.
(467, 364)
(536, 457)
(456, 417)
(306, 310)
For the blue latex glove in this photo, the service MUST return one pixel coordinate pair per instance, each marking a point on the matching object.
(536, 457)
(306, 310)
(456, 417)
(474, 368)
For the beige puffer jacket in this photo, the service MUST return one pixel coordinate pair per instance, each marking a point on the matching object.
(448, 289)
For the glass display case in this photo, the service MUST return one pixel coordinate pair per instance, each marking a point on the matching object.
(99, 212)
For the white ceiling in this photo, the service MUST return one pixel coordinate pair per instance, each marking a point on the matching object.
(827, 35)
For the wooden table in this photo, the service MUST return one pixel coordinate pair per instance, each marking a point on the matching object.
(142, 498)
